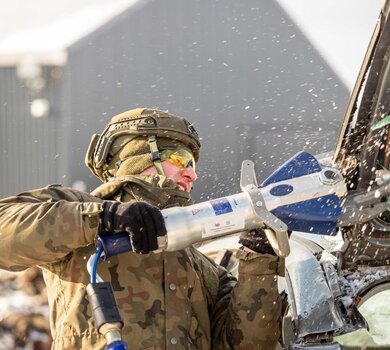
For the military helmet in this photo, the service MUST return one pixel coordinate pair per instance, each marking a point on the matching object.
(142, 127)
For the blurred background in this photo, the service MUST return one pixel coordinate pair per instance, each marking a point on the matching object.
(260, 80)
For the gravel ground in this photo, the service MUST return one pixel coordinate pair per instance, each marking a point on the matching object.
(24, 323)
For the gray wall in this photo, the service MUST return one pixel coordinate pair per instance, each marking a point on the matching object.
(241, 71)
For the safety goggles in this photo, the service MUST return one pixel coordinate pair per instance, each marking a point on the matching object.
(179, 157)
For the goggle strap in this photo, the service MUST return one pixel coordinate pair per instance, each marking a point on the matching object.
(155, 154)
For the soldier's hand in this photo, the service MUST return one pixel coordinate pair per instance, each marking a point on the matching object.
(257, 241)
(143, 222)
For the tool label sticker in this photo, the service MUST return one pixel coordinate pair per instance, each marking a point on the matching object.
(221, 206)
(221, 226)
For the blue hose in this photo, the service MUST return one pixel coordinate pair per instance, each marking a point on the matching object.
(95, 262)
(117, 345)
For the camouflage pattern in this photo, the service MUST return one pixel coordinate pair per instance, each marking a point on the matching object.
(168, 300)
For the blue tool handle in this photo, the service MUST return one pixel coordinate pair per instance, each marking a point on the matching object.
(117, 345)
(114, 244)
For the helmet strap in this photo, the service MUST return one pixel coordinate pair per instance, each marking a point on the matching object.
(155, 154)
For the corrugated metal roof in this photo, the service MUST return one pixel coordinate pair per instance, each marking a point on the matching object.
(42, 29)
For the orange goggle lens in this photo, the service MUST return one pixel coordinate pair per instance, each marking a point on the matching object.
(179, 157)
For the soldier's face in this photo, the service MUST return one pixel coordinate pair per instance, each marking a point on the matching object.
(183, 177)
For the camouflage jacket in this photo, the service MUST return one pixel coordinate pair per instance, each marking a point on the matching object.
(168, 300)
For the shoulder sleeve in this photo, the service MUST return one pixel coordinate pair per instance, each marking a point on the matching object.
(45, 225)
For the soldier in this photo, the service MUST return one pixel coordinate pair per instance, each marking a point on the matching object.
(168, 300)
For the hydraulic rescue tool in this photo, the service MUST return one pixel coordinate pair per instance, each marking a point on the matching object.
(349, 193)
(301, 195)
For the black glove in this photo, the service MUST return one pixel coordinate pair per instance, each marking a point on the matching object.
(257, 241)
(143, 222)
